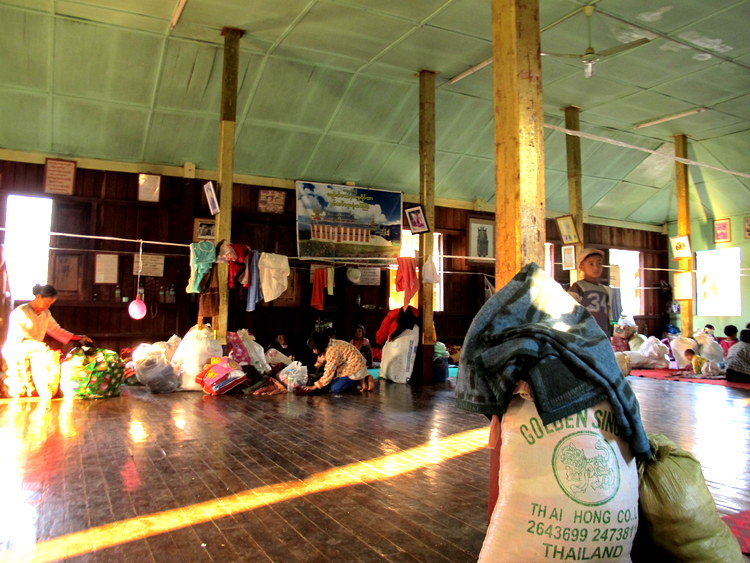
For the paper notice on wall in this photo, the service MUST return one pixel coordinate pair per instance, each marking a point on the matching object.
(149, 265)
(105, 269)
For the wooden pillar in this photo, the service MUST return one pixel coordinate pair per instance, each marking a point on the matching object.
(228, 116)
(427, 200)
(683, 227)
(519, 139)
(575, 189)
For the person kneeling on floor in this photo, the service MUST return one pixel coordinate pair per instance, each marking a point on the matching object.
(345, 367)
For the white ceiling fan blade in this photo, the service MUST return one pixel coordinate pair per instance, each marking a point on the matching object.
(625, 47)
(563, 55)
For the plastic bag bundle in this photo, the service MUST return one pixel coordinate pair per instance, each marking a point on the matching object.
(255, 351)
(275, 357)
(297, 370)
(624, 361)
(679, 344)
(399, 356)
(678, 514)
(153, 370)
(708, 347)
(653, 354)
(195, 351)
(440, 351)
(92, 373)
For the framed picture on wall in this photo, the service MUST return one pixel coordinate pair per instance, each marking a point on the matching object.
(567, 228)
(204, 229)
(723, 230)
(481, 247)
(417, 221)
(569, 257)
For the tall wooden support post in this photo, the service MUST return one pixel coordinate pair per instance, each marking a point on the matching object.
(575, 189)
(226, 167)
(519, 153)
(519, 139)
(683, 227)
(427, 199)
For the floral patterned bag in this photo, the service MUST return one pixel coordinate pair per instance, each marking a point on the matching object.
(92, 373)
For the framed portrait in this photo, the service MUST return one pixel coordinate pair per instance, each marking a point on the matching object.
(204, 229)
(417, 221)
(567, 227)
(723, 230)
(681, 247)
(747, 227)
(569, 257)
(481, 246)
(213, 203)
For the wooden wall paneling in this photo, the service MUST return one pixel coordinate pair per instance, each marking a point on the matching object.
(66, 273)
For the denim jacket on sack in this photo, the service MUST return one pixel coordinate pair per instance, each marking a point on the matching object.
(533, 330)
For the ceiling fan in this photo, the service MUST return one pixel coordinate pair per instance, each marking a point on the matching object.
(590, 56)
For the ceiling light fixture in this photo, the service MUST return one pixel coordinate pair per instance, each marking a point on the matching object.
(470, 71)
(669, 118)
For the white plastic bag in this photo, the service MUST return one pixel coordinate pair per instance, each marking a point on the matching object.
(708, 347)
(679, 345)
(654, 354)
(255, 351)
(153, 370)
(399, 356)
(273, 356)
(195, 350)
(297, 370)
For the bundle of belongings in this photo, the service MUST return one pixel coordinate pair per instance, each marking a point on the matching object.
(566, 430)
(84, 372)
(399, 336)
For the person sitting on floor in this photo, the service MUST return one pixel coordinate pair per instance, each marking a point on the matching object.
(738, 359)
(730, 331)
(701, 365)
(362, 343)
(345, 368)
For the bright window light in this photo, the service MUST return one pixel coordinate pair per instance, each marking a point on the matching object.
(27, 228)
(410, 247)
(717, 275)
(629, 262)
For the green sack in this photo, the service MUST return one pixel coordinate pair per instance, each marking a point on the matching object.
(92, 373)
(679, 520)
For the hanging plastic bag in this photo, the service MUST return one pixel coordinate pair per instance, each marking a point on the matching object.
(195, 351)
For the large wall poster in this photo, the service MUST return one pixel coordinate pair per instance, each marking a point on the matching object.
(336, 221)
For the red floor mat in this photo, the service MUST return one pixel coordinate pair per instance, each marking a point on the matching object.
(682, 375)
(740, 526)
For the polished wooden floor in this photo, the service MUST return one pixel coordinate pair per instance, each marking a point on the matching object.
(396, 475)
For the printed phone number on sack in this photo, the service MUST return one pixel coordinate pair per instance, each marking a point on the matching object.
(580, 534)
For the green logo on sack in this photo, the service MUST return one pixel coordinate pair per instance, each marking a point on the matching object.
(586, 468)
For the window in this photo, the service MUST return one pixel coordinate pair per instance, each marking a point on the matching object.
(717, 274)
(629, 262)
(26, 251)
(410, 247)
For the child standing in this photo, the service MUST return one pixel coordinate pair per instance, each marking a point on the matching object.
(596, 297)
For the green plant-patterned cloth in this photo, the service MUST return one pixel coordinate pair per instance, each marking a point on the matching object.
(92, 373)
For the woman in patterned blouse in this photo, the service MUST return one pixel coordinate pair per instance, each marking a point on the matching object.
(345, 367)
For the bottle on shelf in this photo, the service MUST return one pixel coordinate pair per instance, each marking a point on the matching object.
(118, 294)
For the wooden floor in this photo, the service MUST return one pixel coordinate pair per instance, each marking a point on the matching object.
(396, 475)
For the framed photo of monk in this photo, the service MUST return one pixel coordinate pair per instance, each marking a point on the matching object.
(481, 247)
(417, 220)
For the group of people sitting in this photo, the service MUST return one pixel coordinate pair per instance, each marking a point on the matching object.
(736, 353)
(339, 365)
